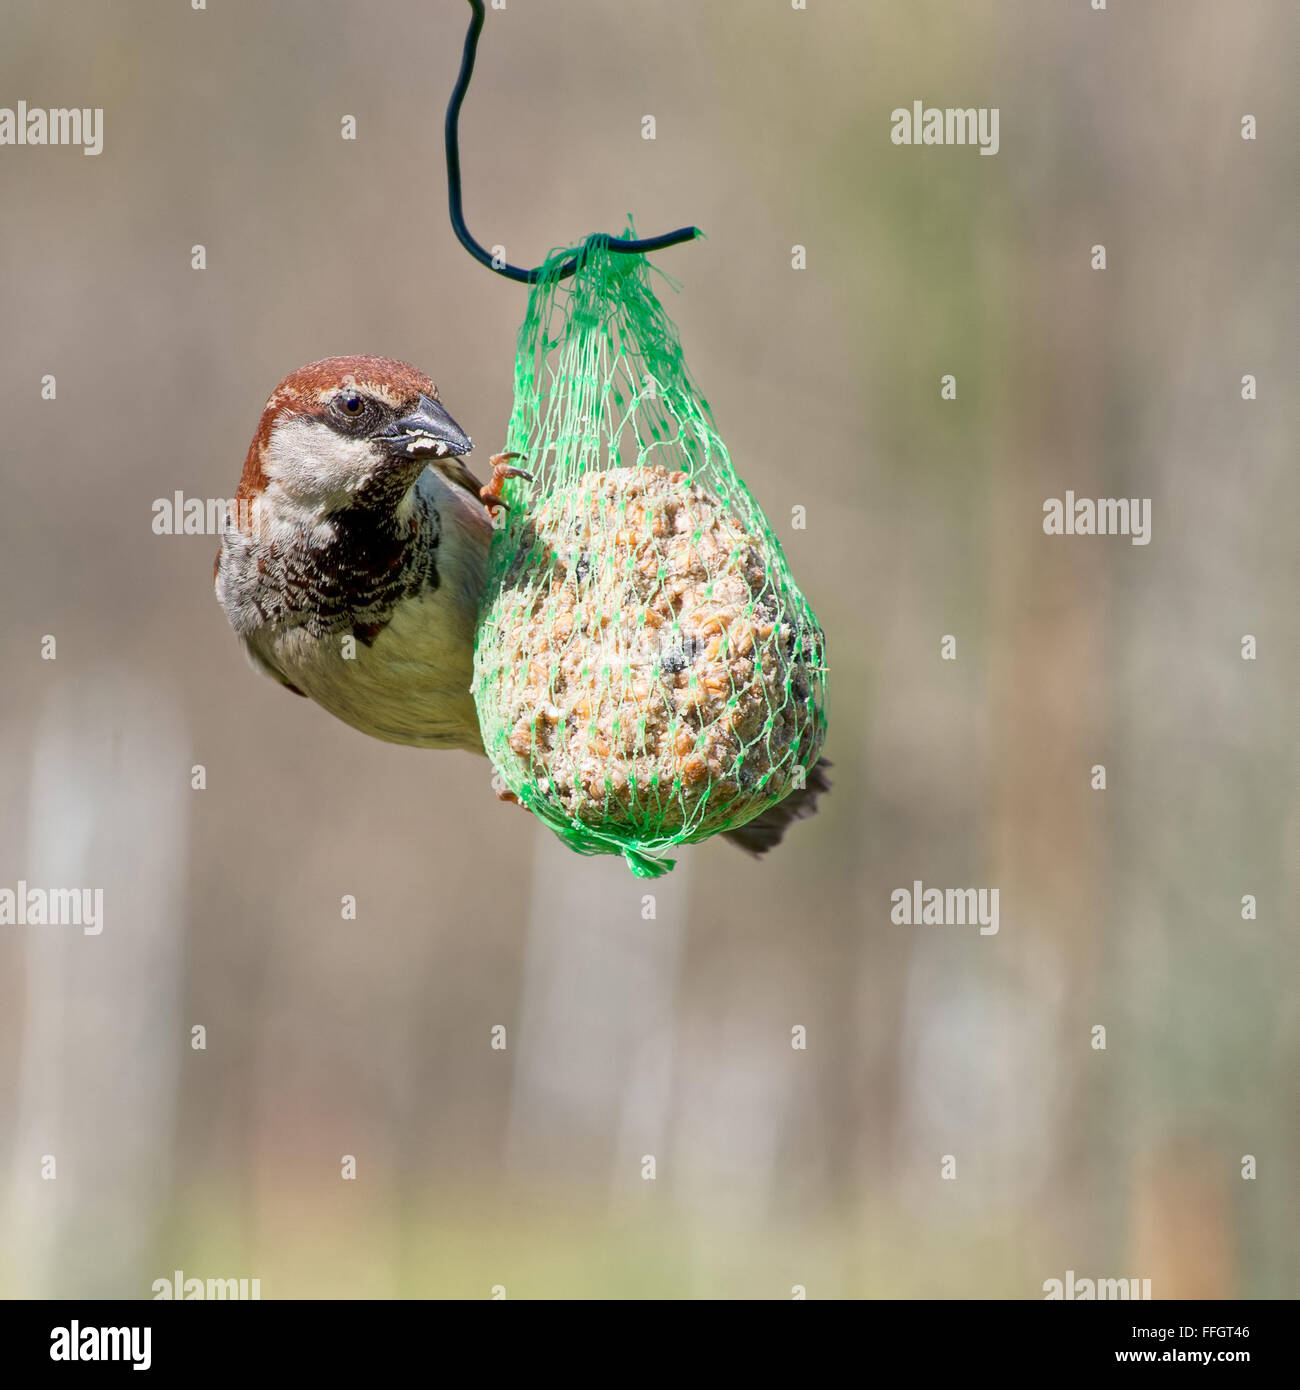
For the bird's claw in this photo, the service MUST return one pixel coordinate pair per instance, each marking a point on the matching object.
(490, 493)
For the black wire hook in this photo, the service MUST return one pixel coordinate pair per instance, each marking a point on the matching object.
(514, 272)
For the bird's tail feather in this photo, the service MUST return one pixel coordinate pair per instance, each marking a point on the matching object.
(759, 835)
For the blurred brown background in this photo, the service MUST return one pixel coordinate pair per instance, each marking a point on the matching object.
(627, 1037)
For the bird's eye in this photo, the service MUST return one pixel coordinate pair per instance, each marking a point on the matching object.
(350, 403)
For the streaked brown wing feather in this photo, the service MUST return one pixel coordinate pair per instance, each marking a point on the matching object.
(455, 471)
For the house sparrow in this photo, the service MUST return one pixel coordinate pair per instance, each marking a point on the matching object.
(354, 557)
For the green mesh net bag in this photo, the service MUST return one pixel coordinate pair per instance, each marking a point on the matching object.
(647, 672)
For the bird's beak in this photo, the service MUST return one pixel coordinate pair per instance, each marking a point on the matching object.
(427, 430)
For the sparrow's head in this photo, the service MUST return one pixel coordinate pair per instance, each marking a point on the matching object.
(349, 431)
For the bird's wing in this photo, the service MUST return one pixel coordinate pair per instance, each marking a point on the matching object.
(259, 662)
(455, 471)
